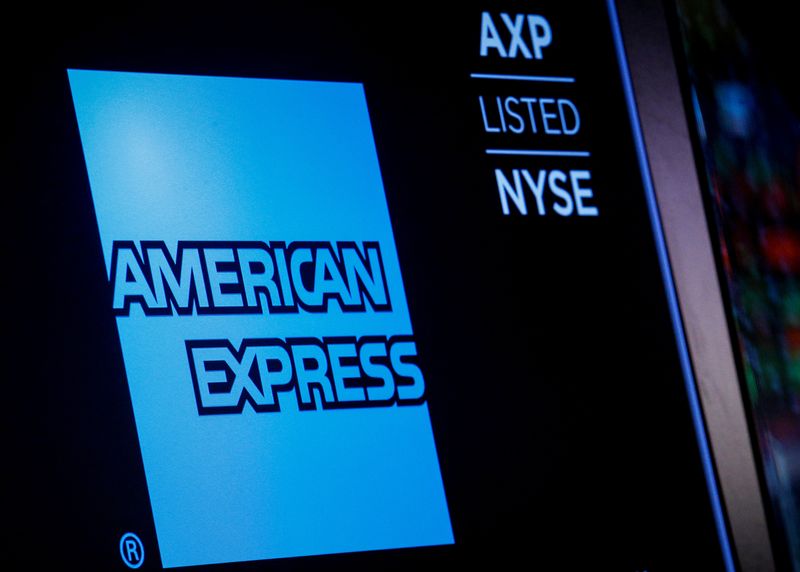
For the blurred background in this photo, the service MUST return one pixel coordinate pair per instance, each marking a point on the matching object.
(740, 82)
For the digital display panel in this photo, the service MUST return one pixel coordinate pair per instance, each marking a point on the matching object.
(328, 290)
(747, 128)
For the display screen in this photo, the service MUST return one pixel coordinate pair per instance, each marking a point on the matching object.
(316, 288)
(747, 127)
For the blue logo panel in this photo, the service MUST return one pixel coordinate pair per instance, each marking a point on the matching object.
(267, 343)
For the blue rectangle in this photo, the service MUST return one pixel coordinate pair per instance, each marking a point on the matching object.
(188, 158)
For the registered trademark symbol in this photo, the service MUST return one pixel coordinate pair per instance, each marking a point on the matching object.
(131, 549)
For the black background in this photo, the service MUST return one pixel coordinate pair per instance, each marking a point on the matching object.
(554, 387)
